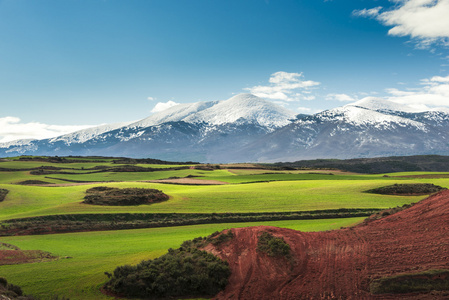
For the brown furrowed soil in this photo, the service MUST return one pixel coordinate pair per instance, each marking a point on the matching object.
(189, 181)
(341, 264)
(12, 255)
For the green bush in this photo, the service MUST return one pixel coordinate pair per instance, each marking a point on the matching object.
(15, 289)
(3, 282)
(183, 272)
(222, 238)
(272, 246)
(3, 193)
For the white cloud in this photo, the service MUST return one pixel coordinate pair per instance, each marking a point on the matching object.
(283, 86)
(427, 21)
(308, 98)
(11, 128)
(304, 109)
(340, 97)
(433, 93)
(161, 106)
(151, 98)
(439, 79)
(372, 12)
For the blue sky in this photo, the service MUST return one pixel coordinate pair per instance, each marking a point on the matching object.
(65, 64)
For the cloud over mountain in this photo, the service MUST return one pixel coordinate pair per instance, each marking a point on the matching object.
(11, 128)
(426, 21)
(284, 86)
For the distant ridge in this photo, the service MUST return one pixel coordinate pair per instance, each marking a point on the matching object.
(428, 163)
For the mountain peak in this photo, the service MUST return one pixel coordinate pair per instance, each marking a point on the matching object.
(247, 107)
(244, 97)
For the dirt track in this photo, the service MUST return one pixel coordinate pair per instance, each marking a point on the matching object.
(340, 264)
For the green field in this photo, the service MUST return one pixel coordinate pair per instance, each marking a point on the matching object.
(248, 190)
(28, 201)
(96, 252)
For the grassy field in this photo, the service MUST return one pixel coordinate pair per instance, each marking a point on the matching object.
(93, 253)
(28, 201)
(248, 190)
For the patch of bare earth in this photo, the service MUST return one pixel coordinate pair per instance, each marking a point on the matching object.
(188, 181)
(12, 255)
(341, 264)
(71, 184)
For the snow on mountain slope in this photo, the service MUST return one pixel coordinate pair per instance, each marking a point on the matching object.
(358, 116)
(18, 143)
(173, 114)
(386, 105)
(84, 135)
(246, 107)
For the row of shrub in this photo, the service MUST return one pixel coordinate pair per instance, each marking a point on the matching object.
(430, 163)
(48, 170)
(84, 222)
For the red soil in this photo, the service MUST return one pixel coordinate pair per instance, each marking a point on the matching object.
(341, 264)
(14, 257)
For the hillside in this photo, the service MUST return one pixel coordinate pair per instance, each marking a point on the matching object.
(429, 163)
(351, 263)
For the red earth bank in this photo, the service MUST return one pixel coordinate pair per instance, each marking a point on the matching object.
(340, 264)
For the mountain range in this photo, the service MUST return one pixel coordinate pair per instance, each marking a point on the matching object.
(246, 128)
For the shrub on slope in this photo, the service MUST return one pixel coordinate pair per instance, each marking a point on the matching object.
(3, 194)
(184, 272)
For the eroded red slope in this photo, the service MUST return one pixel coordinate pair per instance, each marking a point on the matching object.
(340, 264)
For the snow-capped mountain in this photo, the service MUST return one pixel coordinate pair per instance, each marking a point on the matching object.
(377, 104)
(352, 131)
(84, 135)
(247, 128)
(187, 131)
(245, 107)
